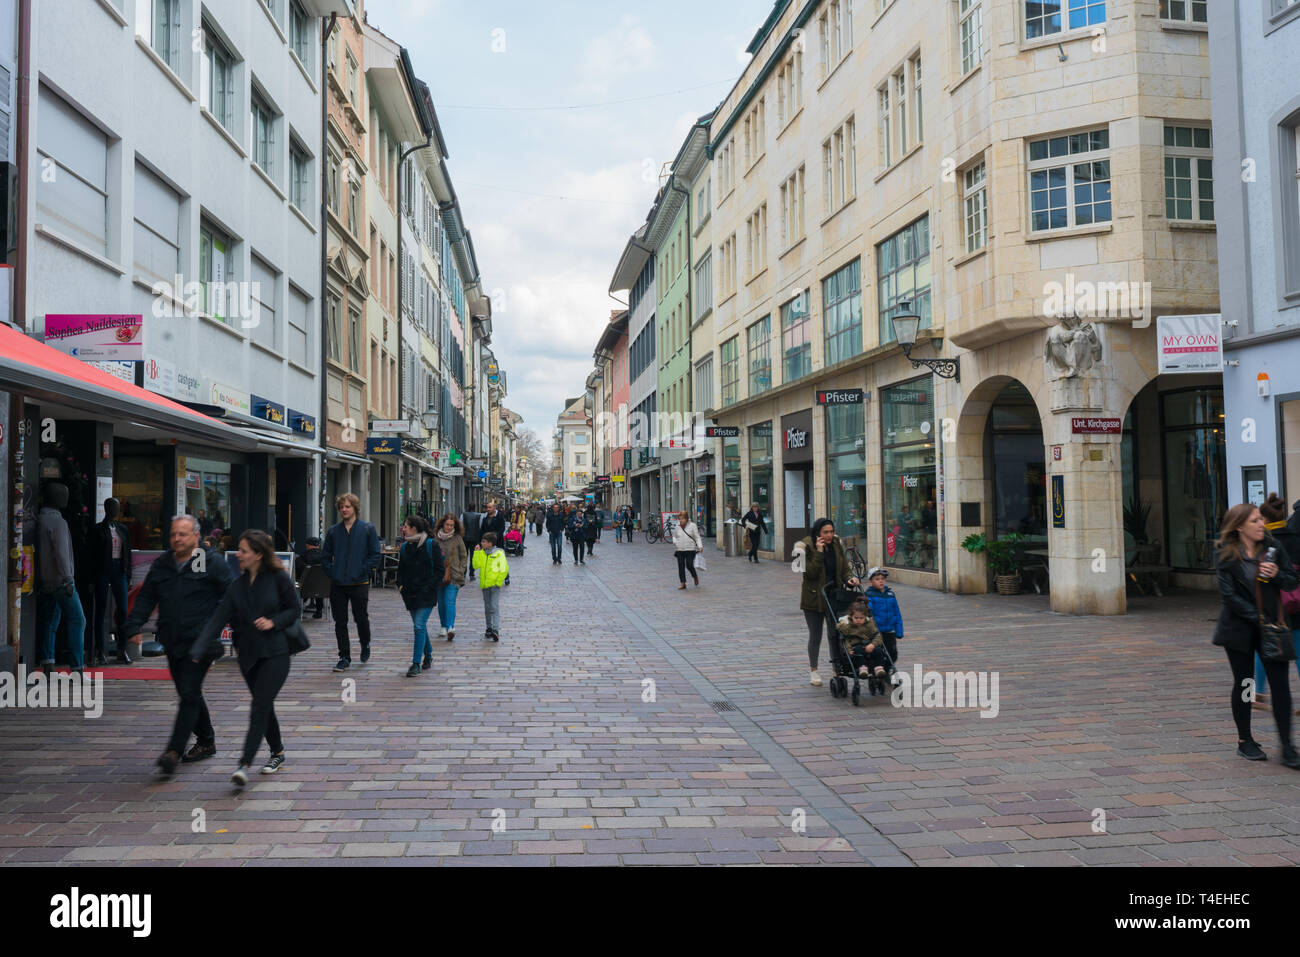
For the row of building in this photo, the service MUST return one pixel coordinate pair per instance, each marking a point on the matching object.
(949, 267)
(240, 281)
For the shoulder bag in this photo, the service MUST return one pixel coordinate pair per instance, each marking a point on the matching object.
(1276, 643)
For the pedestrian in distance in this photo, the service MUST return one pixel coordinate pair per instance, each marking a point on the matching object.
(110, 544)
(186, 585)
(1287, 533)
(756, 528)
(451, 539)
(576, 529)
(350, 555)
(555, 525)
(421, 572)
(687, 543)
(824, 561)
(1253, 569)
(884, 609)
(259, 606)
(629, 523)
(592, 518)
(494, 569)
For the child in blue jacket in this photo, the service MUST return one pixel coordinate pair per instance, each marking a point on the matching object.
(884, 609)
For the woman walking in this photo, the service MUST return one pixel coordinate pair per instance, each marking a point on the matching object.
(756, 528)
(455, 557)
(1253, 569)
(687, 543)
(421, 572)
(576, 529)
(824, 561)
(259, 606)
(629, 523)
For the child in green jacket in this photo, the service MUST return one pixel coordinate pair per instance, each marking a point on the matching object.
(490, 562)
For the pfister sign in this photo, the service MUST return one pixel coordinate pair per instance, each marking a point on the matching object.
(1190, 344)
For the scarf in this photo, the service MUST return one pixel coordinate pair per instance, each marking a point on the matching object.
(445, 536)
(418, 541)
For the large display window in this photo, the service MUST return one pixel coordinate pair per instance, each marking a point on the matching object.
(846, 469)
(909, 474)
(1196, 484)
(760, 475)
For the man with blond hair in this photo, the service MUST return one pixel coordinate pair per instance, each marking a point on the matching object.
(350, 554)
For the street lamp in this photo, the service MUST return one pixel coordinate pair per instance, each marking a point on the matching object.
(430, 419)
(906, 325)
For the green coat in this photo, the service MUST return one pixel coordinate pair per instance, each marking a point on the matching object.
(814, 576)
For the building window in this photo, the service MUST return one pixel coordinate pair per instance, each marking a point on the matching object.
(839, 167)
(1279, 6)
(1069, 180)
(789, 87)
(835, 31)
(158, 22)
(334, 329)
(354, 207)
(352, 82)
(299, 312)
(703, 201)
(796, 339)
(263, 322)
(300, 184)
(704, 286)
(760, 474)
(727, 268)
(216, 270)
(72, 188)
(157, 240)
(976, 201)
(704, 397)
(301, 33)
(217, 81)
(842, 309)
(263, 134)
(727, 168)
(846, 468)
(354, 339)
(758, 340)
(903, 274)
(908, 473)
(1193, 11)
(905, 123)
(756, 241)
(1043, 17)
(884, 134)
(1189, 174)
(334, 196)
(755, 133)
(792, 209)
(730, 371)
(970, 30)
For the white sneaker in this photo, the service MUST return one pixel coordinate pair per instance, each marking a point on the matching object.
(815, 680)
(442, 632)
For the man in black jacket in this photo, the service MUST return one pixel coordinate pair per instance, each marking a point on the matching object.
(185, 585)
(110, 545)
(593, 528)
(555, 528)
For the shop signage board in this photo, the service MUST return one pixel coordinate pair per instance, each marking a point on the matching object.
(223, 396)
(390, 426)
(302, 422)
(163, 378)
(1096, 426)
(1190, 344)
(602, 479)
(796, 438)
(121, 370)
(618, 479)
(383, 445)
(98, 336)
(1058, 501)
(839, 397)
(722, 432)
(264, 408)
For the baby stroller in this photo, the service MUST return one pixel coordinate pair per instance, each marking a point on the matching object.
(514, 543)
(837, 601)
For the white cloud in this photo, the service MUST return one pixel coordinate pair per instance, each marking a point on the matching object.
(619, 52)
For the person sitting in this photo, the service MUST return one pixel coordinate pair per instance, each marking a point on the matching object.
(864, 641)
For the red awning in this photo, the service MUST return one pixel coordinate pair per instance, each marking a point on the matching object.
(34, 370)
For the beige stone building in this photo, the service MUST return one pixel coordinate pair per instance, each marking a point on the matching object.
(993, 170)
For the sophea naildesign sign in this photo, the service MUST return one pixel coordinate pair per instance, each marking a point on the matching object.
(77, 910)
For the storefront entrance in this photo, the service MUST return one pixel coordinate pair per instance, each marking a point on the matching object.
(797, 459)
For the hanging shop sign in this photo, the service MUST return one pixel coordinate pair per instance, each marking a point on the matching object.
(383, 445)
(618, 479)
(302, 422)
(1096, 426)
(268, 410)
(391, 426)
(100, 337)
(722, 432)
(1190, 344)
(840, 397)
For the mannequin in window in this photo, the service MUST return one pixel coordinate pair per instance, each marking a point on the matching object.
(57, 597)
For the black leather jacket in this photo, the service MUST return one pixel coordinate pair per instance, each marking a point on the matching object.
(1238, 625)
(185, 598)
(271, 596)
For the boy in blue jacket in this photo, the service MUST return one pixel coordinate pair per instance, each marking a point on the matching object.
(884, 609)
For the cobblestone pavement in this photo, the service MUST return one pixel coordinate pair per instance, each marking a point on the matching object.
(543, 749)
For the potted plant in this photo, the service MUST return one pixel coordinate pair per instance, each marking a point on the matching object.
(1002, 558)
(1136, 513)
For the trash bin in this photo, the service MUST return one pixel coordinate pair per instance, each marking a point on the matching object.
(731, 538)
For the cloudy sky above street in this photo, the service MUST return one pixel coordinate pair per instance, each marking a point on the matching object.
(551, 193)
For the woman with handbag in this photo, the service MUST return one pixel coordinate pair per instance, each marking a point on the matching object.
(687, 543)
(1253, 570)
(421, 572)
(756, 528)
(263, 610)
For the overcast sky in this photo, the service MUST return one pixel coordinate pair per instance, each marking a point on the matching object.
(548, 261)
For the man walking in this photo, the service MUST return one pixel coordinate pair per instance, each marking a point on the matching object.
(472, 522)
(350, 554)
(185, 585)
(555, 528)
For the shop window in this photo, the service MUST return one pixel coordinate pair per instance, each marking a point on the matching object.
(760, 474)
(138, 486)
(1289, 413)
(908, 468)
(1019, 465)
(731, 477)
(1196, 487)
(846, 469)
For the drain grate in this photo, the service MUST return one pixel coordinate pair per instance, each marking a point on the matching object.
(721, 706)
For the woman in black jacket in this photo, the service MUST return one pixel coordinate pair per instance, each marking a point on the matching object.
(260, 604)
(756, 528)
(1251, 579)
(420, 573)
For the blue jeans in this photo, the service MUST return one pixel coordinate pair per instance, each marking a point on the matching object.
(423, 646)
(1261, 679)
(54, 606)
(447, 605)
(618, 533)
(557, 546)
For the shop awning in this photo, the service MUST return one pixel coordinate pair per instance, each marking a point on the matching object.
(36, 371)
(337, 455)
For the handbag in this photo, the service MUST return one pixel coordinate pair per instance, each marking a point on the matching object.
(1276, 643)
(296, 636)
